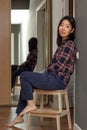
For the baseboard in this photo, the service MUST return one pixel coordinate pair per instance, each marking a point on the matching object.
(76, 127)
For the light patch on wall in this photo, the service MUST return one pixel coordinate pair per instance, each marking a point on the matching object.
(21, 17)
(18, 16)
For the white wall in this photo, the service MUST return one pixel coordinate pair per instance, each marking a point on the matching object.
(21, 17)
(31, 26)
(32, 22)
(59, 9)
(24, 36)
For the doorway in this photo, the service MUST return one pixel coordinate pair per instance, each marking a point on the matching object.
(41, 34)
(39, 30)
(15, 44)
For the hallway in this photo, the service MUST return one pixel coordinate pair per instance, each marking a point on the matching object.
(8, 113)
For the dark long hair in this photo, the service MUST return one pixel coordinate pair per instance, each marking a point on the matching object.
(71, 35)
(32, 43)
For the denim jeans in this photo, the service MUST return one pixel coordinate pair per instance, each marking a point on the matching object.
(31, 80)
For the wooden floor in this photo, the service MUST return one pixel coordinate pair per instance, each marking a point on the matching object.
(8, 113)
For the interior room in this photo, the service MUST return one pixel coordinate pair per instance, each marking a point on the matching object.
(33, 18)
(21, 20)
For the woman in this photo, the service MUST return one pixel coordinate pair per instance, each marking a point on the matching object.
(30, 62)
(56, 75)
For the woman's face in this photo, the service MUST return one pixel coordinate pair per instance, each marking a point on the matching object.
(65, 29)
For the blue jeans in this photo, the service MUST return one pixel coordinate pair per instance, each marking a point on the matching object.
(31, 80)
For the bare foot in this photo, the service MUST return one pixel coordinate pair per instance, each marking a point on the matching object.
(18, 119)
(28, 109)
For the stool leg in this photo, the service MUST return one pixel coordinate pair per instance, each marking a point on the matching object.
(68, 109)
(28, 122)
(58, 122)
(41, 105)
(60, 102)
(34, 97)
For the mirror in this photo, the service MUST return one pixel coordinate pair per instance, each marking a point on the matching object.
(35, 21)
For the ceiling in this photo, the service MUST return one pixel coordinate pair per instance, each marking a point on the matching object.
(20, 4)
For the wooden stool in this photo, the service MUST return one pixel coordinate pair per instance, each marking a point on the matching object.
(50, 112)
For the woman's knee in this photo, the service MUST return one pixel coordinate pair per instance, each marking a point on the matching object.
(24, 75)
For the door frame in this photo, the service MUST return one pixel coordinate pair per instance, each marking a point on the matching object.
(45, 6)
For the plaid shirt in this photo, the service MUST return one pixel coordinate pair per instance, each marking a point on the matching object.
(63, 61)
(31, 60)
